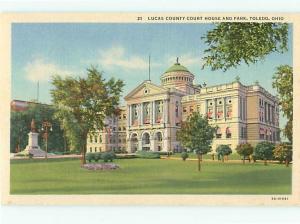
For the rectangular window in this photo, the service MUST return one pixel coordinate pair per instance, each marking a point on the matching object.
(228, 135)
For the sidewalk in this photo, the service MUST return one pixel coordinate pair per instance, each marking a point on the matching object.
(219, 161)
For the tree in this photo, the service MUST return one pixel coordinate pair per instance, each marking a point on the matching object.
(264, 151)
(223, 150)
(283, 83)
(283, 152)
(245, 150)
(230, 44)
(20, 127)
(197, 134)
(83, 104)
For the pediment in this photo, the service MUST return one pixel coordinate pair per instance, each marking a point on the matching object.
(146, 88)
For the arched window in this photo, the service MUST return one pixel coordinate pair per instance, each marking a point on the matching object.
(219, 133)
(228, 132)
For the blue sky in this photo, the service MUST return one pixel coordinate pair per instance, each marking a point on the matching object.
(120, 50)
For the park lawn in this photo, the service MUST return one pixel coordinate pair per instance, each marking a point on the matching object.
(148, 176)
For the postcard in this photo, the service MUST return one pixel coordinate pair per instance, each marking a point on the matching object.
(150, 108)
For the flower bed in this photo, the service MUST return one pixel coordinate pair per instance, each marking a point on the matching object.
(100, 166)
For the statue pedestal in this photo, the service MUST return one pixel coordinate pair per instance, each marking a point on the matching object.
(33, 147)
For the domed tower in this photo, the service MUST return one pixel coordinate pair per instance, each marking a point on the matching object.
(179, 77)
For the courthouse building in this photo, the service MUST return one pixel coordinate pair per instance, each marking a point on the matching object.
(154, 113)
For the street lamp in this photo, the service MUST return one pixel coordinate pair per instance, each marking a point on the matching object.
(46, 127)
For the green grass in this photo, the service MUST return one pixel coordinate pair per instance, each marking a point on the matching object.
(146, 176)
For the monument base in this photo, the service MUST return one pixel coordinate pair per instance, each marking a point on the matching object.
(35, 151)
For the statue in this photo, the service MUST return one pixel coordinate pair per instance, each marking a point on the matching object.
(32, 126)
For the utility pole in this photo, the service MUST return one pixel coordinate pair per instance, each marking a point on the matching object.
(149, 68)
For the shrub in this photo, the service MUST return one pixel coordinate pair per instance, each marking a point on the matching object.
(283, 152)
(89, 157)
(125, 156)
(223, 150)
(164, 153)
(97, 156)
(116, 150)
(108, 156)
(245, 150)
(184, 155)
(264, 151)
(148, 155)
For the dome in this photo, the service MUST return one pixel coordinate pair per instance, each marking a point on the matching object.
(177, 76)
(177, 68)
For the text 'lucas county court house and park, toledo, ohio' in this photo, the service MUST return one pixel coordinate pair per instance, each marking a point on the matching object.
(154, 113)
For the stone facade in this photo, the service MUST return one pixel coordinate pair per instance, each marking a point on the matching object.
(154, 113)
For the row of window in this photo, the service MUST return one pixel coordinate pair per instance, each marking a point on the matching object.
(269, 135)
(165, 80)
(111, 139)
(262, 104)
(227, 133)
(95, 149)
(124, 117)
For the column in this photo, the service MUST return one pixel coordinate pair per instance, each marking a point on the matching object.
(130, 115)
(129, 144)
(164, 111)
(152, 144)
(153, 112)
(215, 108)
(140, 145)
(142, 113)
(224, 108)
(167, 110)
(166, 141)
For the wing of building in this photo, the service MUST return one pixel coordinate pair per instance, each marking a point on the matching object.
(154, 113)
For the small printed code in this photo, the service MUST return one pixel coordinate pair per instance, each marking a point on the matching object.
(279, 198)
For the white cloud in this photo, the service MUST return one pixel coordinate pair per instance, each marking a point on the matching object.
(40, 70)
(117, 57)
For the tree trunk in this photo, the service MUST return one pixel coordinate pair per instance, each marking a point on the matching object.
(83, 150)
(243, 159)
(199, 163)
(286, 162)
(265, 162)
(223, 159)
